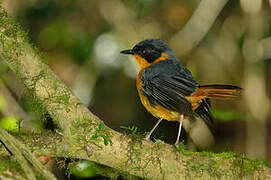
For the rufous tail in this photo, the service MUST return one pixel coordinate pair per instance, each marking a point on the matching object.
(218, 91)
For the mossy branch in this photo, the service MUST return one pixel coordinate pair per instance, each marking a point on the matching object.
(141, 158)
(83, 136)
(22, 154)
(9, 143)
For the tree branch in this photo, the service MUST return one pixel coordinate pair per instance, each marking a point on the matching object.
(197, 26)
(266, 48)
(142, 158)
(20, 153)
(5, 138)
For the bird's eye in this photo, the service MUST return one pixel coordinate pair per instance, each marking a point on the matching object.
(146, 51)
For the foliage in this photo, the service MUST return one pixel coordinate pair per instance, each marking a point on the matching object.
(100, 133)
(84, 169)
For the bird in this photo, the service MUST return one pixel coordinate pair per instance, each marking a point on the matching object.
(168, 90)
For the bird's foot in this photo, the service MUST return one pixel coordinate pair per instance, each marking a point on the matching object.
(176, 144)
(148, 138)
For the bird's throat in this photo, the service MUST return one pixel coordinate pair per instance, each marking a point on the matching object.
(143, 63)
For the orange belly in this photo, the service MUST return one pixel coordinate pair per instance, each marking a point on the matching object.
(159, 111)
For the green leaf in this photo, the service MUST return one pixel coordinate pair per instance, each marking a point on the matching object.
(101, 126)
(104, 136)
(85, 169)
(133, 129)
(105, 141)
(10, 124)
(94, 137)
(124, 127)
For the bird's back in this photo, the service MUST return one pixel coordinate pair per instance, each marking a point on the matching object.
(170, 68)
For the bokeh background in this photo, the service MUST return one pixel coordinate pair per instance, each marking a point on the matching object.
(80, 40)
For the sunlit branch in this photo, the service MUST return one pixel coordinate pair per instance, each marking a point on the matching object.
(197, 26)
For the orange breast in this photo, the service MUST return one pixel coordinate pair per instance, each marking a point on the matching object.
(156, 110)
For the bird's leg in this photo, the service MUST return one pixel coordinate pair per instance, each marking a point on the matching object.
(148, 137)
(180, 128)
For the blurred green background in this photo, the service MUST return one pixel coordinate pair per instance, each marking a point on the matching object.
(81, 40)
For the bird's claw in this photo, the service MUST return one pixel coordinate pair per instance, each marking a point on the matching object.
(148, 138)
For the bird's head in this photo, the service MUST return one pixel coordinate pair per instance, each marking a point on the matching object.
(149, 51)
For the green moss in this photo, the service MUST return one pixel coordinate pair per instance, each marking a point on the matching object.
(205, 161)
(238, 164)
(7, 164)
(136, 148)
(31, 104)
(250, 165)
(11, 29)
(199, 167)
(63, 99)
(17, 37)
(14, 43)
(133, 133)
(100, 133)
(216, 168)
(182, 149)
(81, 126)
(224, 155)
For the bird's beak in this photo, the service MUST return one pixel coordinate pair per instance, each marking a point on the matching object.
(128, 51)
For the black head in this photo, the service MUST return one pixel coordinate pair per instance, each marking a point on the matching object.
(149, 49)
